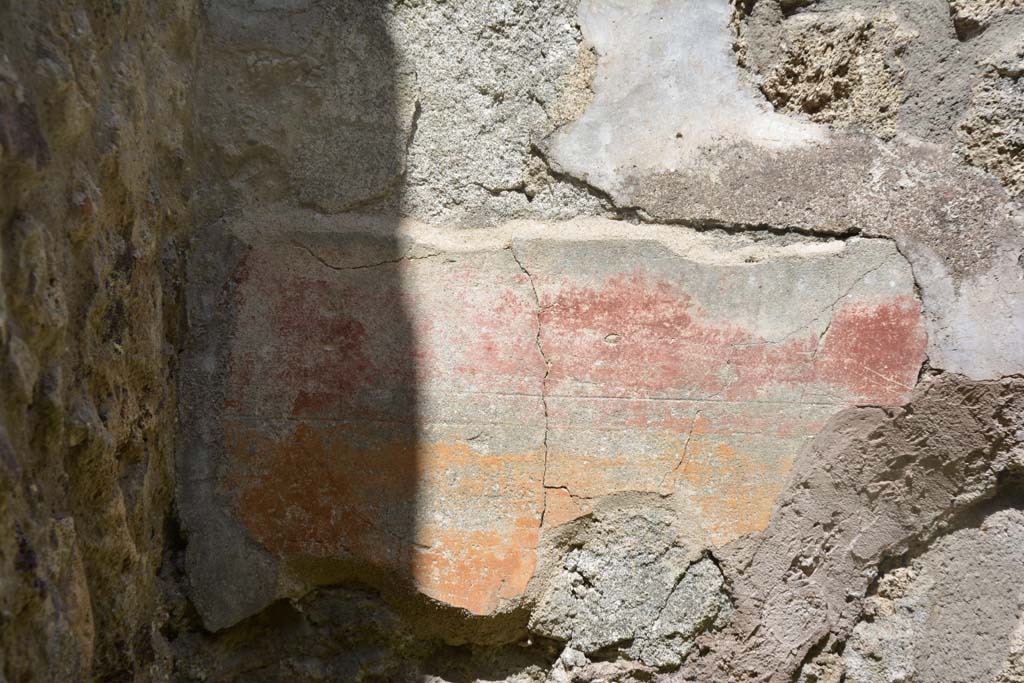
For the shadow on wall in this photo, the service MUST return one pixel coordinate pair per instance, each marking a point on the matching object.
(298, 462)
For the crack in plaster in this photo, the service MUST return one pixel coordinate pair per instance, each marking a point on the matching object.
(540, 308)
(919, 293)
(364, 266)
(547, 371)
(831, 308)
(686, 448)
(637, 214)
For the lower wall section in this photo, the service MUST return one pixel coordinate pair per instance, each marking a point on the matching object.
(892, 552)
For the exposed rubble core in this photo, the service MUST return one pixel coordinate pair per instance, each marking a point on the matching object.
(533, 341)
(627, 584)
(921, 610)
(992, 131)
(970, 17)
(95, 120)
(840, 69)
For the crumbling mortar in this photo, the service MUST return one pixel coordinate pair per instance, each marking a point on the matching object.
(597, 193)
(726, 581)
(826, 642)
(519, 188)
(733, 228)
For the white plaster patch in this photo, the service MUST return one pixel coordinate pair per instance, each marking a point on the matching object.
(667, 89)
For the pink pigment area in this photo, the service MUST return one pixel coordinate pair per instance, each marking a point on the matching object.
(633, 338)
(322, 347)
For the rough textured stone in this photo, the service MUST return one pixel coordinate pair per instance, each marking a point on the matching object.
(1012, 670)
(873, 487)
(992, 131)
(949, 615)
(842, 69)
(94, 130)
(424, 107)
(630, 582)
(875, 64)
(494, 79)
(973, 16)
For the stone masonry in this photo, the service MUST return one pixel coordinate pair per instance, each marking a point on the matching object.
(532, 341)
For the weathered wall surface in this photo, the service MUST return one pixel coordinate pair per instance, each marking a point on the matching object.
(556, 365)
(605, 340)
(94, 123)
(879, 488)
(650, 337)
(710, 153)
(520, 340)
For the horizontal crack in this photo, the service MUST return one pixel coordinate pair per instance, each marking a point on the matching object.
(364, 266)
(712, 225)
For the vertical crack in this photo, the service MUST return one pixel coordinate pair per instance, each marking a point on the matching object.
(682, 456)
(544, 380)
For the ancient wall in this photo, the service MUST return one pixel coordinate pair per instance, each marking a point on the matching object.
(544, 322)
(95, 119)
(515, 340)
